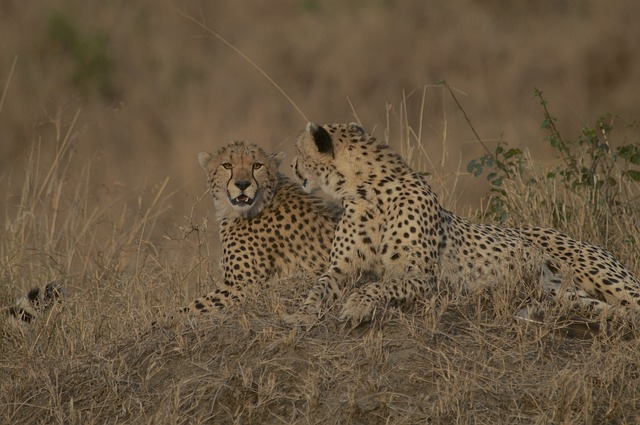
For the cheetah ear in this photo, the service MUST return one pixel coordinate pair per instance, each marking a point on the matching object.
(204, 158)
(356, 128)
(321, 137)
(277, 157)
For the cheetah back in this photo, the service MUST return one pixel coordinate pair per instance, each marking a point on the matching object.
(393, 219)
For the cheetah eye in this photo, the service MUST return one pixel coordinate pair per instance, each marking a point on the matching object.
(257, 166)
(227, 165)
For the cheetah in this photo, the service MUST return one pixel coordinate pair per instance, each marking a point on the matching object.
(34, 303)
(392, 222)
(268, 225)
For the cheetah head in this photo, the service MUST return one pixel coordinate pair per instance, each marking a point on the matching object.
(242, 178)
(318, 148)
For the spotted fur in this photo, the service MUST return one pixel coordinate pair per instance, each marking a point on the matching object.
(394, 224)
(268, 225)
(29, 306)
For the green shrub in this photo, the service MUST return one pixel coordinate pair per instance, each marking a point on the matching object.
(591, 167)
(93, 64)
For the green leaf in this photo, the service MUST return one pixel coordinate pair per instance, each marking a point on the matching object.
(633, 175)
(512, 152)
(478, 170)
(626, 151)
(555, 142)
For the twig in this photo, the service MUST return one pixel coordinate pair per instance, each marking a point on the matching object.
(455, 99)
(246, 58)
(6, 85)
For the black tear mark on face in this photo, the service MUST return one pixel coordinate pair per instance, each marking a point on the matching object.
(323, 140)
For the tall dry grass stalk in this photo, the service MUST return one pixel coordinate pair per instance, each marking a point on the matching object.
(61, 228)
(549, 204)
(421, 140)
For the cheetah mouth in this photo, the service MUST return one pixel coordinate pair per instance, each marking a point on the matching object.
(241, 200)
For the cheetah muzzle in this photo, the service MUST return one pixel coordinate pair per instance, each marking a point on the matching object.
(241, 201)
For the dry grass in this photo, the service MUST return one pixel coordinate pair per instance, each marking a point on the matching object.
(455, 361)
(87, 200)
(459, 358)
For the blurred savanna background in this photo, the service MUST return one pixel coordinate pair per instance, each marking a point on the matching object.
(105, 106)
(152, 88)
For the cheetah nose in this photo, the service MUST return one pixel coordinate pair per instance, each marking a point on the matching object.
(242, 184)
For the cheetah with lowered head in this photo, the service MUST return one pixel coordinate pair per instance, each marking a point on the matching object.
(393, 223)
(268, 225)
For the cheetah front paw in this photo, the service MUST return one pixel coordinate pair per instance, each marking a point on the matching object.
(358, 308)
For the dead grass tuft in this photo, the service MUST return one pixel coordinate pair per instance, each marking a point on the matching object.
(458, 364)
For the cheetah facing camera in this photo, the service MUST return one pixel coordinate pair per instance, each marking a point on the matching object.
(35, 302)
(268, 225)
(393, 223)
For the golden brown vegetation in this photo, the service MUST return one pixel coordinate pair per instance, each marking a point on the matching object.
(455, 359)
(103, 112)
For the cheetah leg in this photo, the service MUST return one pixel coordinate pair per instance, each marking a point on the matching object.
(552, 285)
(362, 304)
(216, 300)
(211, 303)
(328, 288)
(580, 298)
(344, 267)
